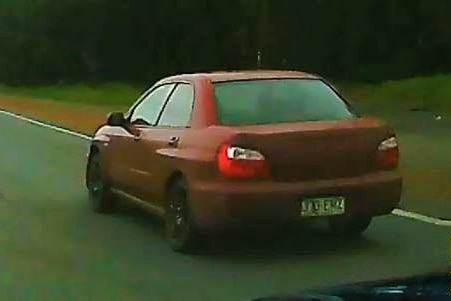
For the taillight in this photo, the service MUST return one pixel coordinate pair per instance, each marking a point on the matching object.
(388, 153)
(238, 162)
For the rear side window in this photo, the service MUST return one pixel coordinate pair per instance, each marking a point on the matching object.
(278, 100)
(177, 112)
(146, 112)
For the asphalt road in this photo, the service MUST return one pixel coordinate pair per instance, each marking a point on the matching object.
(52, 247)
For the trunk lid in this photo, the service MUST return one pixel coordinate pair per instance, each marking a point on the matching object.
(316, 150)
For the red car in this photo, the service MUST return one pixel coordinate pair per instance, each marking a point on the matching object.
(213, 151)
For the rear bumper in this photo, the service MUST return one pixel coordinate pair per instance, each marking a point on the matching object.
(217, 205)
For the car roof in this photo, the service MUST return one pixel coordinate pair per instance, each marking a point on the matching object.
(221, 76)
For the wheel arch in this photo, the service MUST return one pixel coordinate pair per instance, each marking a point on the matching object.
(97, 149)
(174, 176)
(93, 150)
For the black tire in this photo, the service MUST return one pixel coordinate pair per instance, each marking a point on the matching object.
(101, 199)
(349, 227)
(180, 231)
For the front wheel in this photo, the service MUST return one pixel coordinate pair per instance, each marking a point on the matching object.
(349, 227)
(179, 226)
(101, 198)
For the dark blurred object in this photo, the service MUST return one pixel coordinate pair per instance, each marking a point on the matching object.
(433, 287)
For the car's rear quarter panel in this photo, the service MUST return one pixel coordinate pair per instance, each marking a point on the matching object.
(195, 158)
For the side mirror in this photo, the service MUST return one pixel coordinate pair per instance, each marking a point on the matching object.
(116, 119)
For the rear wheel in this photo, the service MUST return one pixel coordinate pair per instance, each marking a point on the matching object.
(101, 198)
(349, 227)
(179, 227)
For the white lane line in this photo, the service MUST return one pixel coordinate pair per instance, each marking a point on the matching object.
(397, 212)
(45, 125)
(422, 218)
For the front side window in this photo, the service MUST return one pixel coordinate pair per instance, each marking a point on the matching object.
(177, 112)
(148, 110)
(277, 101)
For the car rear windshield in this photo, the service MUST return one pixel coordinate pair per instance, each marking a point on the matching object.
(278, 100)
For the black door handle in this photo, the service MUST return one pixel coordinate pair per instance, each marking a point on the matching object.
(174, 141)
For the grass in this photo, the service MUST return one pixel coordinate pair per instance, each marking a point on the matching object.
(112, 94)
(431, 93)
(424, 93)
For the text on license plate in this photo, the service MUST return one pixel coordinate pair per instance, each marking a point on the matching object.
(324, 206)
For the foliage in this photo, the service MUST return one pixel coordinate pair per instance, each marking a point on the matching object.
(49, 41)
(419, 93)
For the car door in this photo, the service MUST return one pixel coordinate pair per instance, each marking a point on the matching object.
(159, 144)
(143, 115)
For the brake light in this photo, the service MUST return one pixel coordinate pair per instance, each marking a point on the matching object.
(388, 153)
(238, 162)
